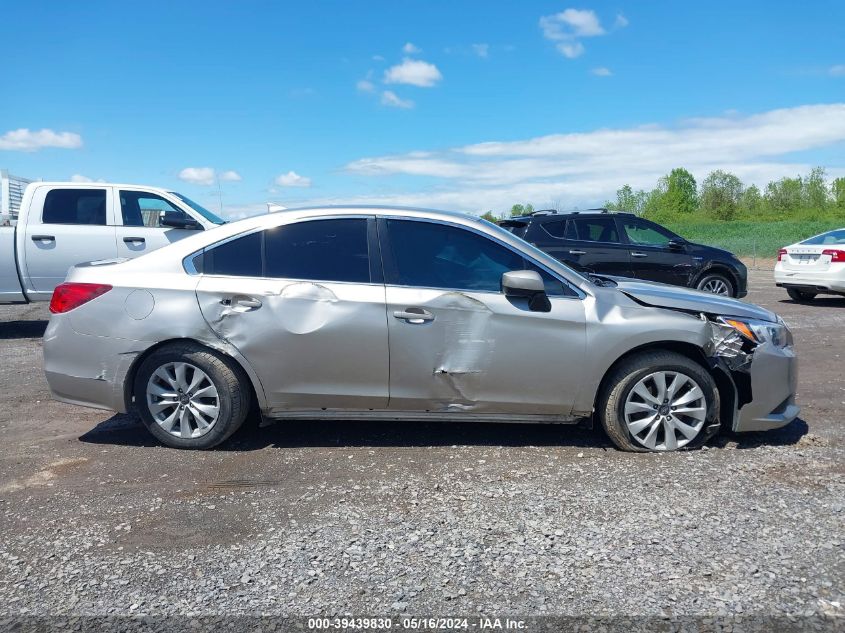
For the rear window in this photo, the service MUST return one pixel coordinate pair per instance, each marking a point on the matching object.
(831, 237)
(596, 229)
(514, 226)
(561, 229)
(75, 206)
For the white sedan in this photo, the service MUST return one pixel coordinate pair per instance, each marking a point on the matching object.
(812, 267)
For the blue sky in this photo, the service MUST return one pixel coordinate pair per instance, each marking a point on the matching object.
(467, 105)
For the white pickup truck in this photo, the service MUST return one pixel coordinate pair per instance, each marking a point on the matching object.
(61, 224)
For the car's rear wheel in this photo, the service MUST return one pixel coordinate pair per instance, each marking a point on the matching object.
(717, 284)
(659, 401)
(801, 296)
(191, 397)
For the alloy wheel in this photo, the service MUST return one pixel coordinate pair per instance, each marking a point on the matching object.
(183, 400)
(665, 411)
(716, 286)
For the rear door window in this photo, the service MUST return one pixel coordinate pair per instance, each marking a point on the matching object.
(325, 250)
(597, 230)
(75, 206)
(320, 250)
(561, 229)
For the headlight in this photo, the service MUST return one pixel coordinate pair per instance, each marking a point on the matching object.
(760, 332)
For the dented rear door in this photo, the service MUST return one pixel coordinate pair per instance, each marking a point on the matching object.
(314, 343)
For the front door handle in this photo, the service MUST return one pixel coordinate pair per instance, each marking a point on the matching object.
(415, 316)
(134, 240)
(577, 252)
(43, 238)
(638, 254)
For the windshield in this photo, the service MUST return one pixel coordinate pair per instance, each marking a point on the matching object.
(831, 237)
(208, 215)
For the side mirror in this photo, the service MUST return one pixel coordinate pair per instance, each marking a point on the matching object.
(179, 221)
(676, 245)
(529, 285)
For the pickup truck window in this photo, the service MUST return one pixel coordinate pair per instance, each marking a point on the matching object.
(140, 208)
(75, 206)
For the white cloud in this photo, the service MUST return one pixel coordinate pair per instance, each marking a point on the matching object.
(230, 176)
(601, 71)
(837, 71)
(586, 168)
(566, 29)
(414, 72)
(570, 50)
(25, 140)
(365, 85)
(482, 50)
(391, 99)
(378, 58)
(620, 22)
(292, 179)
(80, 178)
(410, 49)
(198, 175)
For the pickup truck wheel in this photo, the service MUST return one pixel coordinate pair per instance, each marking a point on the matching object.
(191, 397)
(800, 296)
(659, 401)
(716, 284)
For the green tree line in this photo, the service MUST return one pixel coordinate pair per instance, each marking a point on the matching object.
(723, 196)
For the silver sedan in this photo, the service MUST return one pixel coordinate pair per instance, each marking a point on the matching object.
(406, 315)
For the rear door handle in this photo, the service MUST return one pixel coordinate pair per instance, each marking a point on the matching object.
(241, 304)
(133, 240)
(416, 316)
(638, 254)
(577, 252)
(250, 303)
(43, 238)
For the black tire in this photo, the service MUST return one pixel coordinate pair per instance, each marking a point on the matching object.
(233, 393)
(625, 376)
(800, 296)
(710, 279)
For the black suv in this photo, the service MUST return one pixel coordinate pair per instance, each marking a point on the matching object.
(625, 245)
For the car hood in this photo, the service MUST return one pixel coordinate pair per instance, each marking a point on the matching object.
(665, 296)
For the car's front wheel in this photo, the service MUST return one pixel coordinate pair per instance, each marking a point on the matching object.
(659, 401)
(800, 296)
(191, 397)
(716, 284)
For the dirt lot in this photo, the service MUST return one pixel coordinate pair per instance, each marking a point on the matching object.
(436, 519)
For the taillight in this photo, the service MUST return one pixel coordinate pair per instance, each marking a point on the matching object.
(835, 254)
(70, 295)
(781, 254)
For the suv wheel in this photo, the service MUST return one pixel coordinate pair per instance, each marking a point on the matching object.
(659, 401)
(717, 284)
(191, 397)
(800, 296)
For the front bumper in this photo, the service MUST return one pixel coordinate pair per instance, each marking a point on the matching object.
(774, 378)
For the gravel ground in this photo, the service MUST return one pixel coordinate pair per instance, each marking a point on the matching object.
(315, 518)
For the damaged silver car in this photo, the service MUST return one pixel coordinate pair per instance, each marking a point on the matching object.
(406, 315)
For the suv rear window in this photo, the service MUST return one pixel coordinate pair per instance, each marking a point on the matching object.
(561, 229)
(596, 229)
